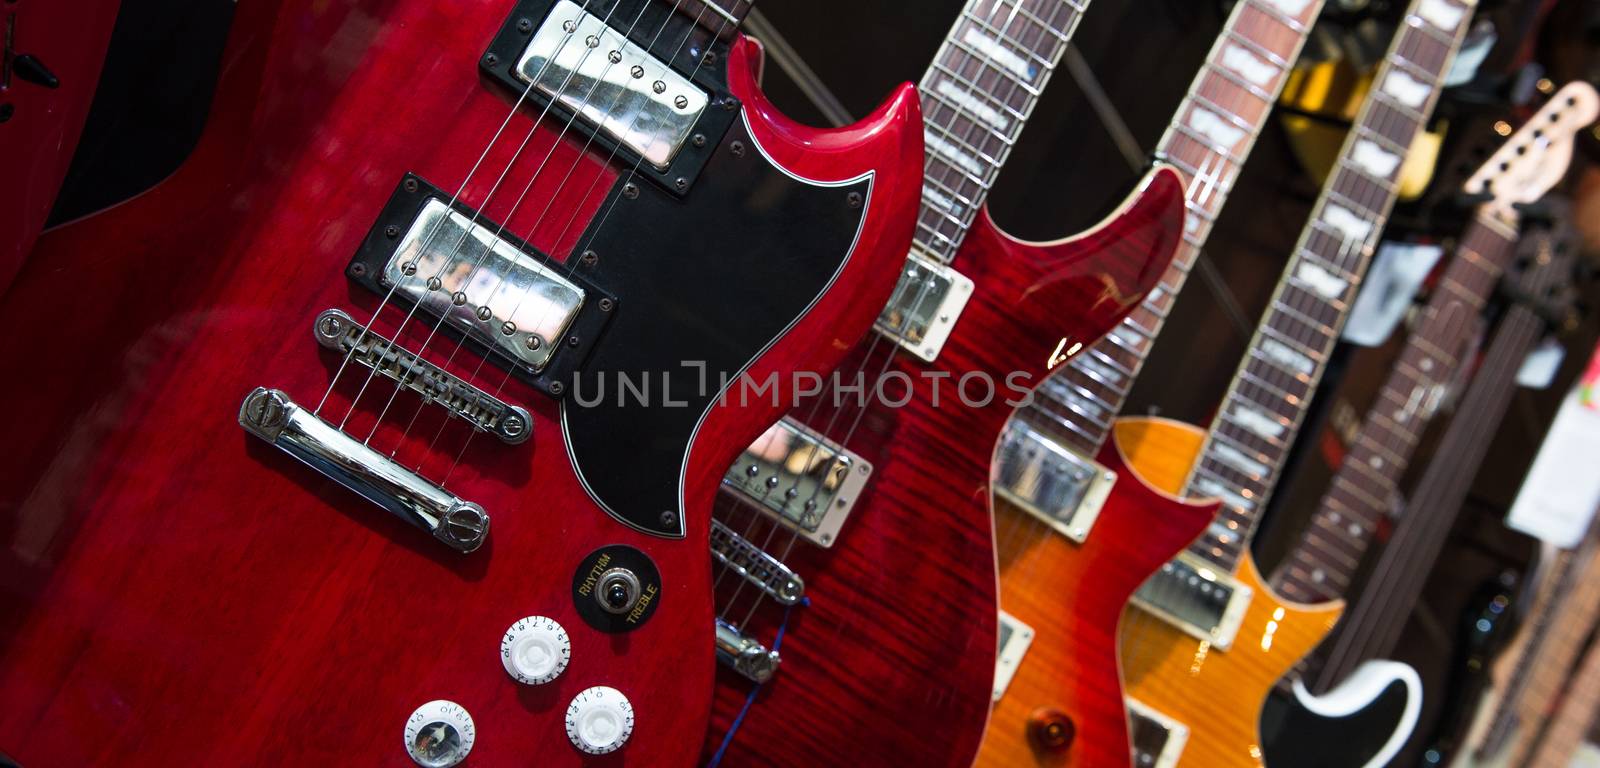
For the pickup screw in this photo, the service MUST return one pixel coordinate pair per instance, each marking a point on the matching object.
(737, 148)
(637, 71)
(358, 269)
(508, 328)
(589, 258)
(729, 103)
(459, 298)
(391, 231)
(533, 342)
(853, 199)
(698, 140)
(524, 25)
(659, 87)
(593, 41)
(605, 305)
(484, 314)
(614, 56)
(573, 341)
(556, 388)
(434, 283)
(681, 102)
(630, 190)
(410, 185)
(681, 183)
(491, 59)
(669, 519)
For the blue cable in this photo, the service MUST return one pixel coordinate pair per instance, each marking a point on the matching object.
(777, 643)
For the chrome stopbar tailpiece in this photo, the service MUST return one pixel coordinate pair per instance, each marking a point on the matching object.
(337, 331)
(744, 655)
(755, 565)
(270, 415)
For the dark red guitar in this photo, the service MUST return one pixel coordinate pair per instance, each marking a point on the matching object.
(859, 534)
(187, 582)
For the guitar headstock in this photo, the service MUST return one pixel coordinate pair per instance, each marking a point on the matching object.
(1542, 274)
(1536, 157)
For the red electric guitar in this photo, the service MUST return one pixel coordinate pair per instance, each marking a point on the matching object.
(856, 579)
(431, 252)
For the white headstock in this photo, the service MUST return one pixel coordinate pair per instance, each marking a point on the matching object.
(1536, 157)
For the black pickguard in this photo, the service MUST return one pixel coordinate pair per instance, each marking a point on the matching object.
(715, 276)
(1296, 737)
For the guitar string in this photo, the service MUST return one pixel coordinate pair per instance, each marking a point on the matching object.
(894, 349)
(600, 222)
(366, 329)
(501, 282)
(458, 297)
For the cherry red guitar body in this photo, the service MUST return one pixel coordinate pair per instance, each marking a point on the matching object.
(892, 661)
(1064, 704)
(178, 591)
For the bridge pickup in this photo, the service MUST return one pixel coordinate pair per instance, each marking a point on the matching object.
(1015, 637)
(493, 291)
(800, 478)
(1051, 482)
(924, 307)
(755, 566)
(486, 413)
(270, 415)
(1158, 740)
(744, 655)
(1196, 598)
(630, 81)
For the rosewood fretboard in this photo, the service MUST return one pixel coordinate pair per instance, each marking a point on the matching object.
(1267, 400)
(1208, 140)
(976, 96)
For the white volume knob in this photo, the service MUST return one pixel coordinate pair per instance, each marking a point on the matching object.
(599, 720)
(439, 734)
(535, 650)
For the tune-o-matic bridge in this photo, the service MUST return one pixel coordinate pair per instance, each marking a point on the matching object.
(755, 566)
(1051, 482)
(338, 331)
(1196, 598)
(800, 478)
(270, 415)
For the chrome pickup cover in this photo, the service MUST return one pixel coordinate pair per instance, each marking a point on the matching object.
(1050, 482)
(1015, 637)
(755, 565)
(338, 331)
(801, 478)
(924, 306)
(592, 70)
(483, 285)
(1202, 601)
(1158, 740)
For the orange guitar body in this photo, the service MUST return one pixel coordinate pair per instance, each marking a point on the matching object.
(1216, 694)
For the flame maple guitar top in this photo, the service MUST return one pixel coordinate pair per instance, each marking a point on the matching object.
(1216, 694)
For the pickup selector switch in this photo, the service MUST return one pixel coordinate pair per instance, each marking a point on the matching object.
(618, 591)
(535, 650)
(599, 720)
(439, 734)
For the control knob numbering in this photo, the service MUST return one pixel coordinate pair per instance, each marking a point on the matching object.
(535, 650)
(599, 720)
(439, 734)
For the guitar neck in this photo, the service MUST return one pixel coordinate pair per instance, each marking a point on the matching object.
(721, 17)
(1208, 141)
(980, 90)
(1265, 404)
(1326, 558)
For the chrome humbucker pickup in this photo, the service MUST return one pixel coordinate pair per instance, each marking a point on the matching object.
(270, 415)
(1051, 482)
(744, 654)
(800, 478)
(337, 331)
(1198, 599)
(1158, 740)
(493, 291)
(924, 307)
(1015, 637)
(755, 565)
